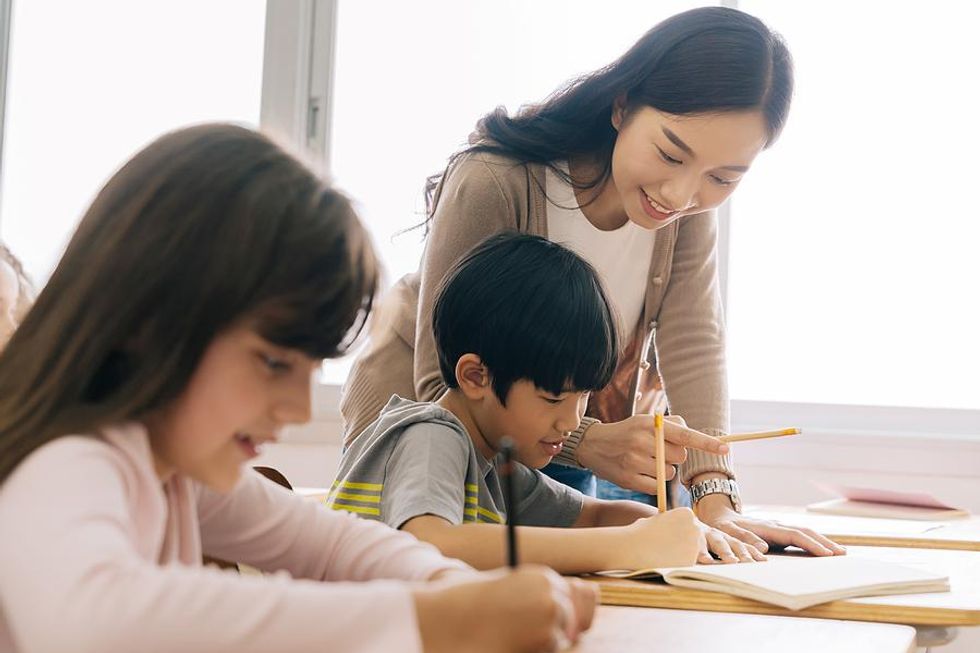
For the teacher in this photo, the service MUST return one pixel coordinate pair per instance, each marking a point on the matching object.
(624, 166)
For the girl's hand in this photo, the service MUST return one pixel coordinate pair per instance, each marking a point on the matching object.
(624, 452)
(761, 534)
(531, 609)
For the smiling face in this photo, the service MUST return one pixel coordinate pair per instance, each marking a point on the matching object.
(243, 392)
(536, 420)
(666, 166)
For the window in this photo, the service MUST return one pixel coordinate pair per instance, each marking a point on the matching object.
(90, 83)
(853, 265)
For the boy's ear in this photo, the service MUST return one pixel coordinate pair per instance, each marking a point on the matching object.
(472, 376)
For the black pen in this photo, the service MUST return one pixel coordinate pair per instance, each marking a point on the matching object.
(506, 478)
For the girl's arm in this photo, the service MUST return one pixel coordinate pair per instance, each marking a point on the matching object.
(267, 526)
(668, 540)
(81, 570)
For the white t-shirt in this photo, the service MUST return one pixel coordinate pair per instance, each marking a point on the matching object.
(621, 256)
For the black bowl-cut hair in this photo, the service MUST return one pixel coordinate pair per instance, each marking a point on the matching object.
(531, 310)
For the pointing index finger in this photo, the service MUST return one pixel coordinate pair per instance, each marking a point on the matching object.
(692, 439)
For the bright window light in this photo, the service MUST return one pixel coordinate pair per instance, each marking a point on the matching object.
(854, 272)
(89, 83)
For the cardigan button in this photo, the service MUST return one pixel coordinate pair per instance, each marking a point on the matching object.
(657, 280)
(644, 365)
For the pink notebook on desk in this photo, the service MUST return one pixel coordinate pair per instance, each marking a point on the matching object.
(890, 504)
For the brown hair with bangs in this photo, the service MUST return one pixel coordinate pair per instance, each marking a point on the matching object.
(205, 228)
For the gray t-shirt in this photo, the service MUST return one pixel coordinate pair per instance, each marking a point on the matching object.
(417, 459)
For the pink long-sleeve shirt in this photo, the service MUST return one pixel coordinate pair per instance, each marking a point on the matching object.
(97, 554)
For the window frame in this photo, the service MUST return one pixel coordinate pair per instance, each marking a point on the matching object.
(6, 12)
(297, 75)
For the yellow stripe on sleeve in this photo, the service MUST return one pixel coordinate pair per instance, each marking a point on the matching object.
(350, 485)
(366, 498)
(492, 516)
(365, 510)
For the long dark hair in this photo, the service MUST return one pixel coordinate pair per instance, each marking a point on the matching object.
(707, 60)
(205, 228)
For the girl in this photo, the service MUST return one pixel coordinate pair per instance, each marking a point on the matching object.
(624, 166)
(180, 333)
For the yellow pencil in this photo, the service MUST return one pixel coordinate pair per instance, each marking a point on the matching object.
(742, 437)
(658, 432)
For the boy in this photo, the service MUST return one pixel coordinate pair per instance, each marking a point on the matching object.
(524, 333)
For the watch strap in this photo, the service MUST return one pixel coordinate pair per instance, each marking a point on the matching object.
(725, 486)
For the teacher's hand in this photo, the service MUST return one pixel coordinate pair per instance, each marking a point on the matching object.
(624, 452)
(716, 511)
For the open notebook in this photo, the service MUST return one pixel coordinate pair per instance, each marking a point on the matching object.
(795, 582)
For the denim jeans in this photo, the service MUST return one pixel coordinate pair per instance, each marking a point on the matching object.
(607, 490)
(587, 483)
(581, 479)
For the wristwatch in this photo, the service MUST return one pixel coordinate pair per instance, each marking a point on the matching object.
(717, 486)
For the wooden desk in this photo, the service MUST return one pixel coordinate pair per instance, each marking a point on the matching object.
(627, 630)
(958, 607)
(960, 534)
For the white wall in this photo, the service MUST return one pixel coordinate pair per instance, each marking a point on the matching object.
(784, 470)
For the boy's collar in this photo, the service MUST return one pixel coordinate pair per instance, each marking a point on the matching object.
(458, 406)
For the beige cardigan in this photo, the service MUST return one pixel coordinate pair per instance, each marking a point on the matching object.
(484, 194)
